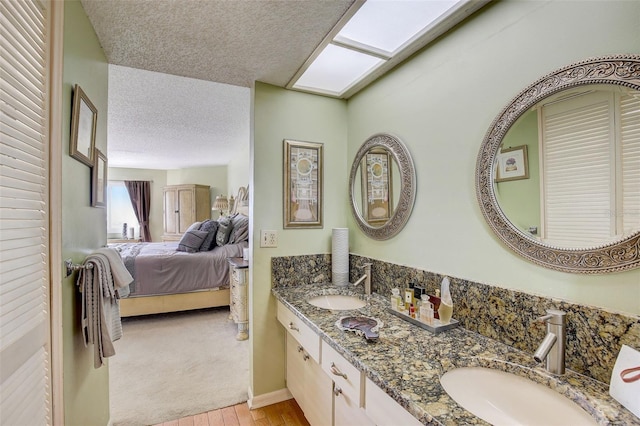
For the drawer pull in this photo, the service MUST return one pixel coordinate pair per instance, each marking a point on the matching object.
(337, 391)
(293, 327)
(300, 348)
(337, 372)
(305, 357)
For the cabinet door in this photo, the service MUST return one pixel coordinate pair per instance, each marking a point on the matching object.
(346, 411)
(170, 211)
(318, 399)
(186, 209)
(295, 370)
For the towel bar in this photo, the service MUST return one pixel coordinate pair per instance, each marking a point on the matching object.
(70, 267)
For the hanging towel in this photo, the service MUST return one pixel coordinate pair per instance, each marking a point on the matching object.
(101, 324)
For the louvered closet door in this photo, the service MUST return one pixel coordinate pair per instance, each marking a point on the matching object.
(630, 136)
(24, 284)
(578, 161)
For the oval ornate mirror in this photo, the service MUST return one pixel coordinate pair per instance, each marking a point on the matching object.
(382, 186)
(557, 173)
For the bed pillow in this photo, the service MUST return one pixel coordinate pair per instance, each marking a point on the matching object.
(224, 231)
(194, 226)
(191, 241)
(240, 231)
(211, 228)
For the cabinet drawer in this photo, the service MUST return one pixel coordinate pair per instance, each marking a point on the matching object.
(384, 410)
(347, 377)
(309, 340)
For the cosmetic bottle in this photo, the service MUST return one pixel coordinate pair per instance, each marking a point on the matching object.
(408, 298)
(412, 311)
(426, 311)
(396, 300)
(436, 303)
(445, 310)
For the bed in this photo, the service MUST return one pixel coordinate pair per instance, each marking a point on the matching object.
(169, 280)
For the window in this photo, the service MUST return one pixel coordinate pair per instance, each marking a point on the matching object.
(119, 209)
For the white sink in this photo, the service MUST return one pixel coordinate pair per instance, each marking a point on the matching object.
(502, 398)
(337, 302)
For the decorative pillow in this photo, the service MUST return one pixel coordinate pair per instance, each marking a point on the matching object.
(194, 226)
(191, 241)
(240, 231)
(224, 231)
(211, 228)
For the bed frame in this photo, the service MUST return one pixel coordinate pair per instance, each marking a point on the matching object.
(147, 305)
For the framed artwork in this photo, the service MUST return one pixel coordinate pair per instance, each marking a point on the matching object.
(84, 117)
(99, 180)
(377, 197)
(302, 184)
(512, 164)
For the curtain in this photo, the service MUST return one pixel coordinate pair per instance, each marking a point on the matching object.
(140, 196)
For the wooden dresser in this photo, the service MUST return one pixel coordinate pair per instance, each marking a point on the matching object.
(239, 305)
(184, 205)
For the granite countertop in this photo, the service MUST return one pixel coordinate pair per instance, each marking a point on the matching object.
(407, 361)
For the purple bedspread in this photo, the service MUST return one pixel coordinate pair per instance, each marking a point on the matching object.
(157, 268)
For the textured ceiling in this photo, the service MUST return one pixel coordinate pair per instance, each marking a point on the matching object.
(163, 120)
(231, 41)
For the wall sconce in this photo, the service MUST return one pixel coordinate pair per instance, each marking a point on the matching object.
(221, 204)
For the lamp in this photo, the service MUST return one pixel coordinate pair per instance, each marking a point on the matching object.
(221, 204)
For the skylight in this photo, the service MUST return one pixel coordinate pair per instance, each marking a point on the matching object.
(377, 37)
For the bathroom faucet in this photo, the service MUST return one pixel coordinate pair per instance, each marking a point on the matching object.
(553, 346)
(366, 278)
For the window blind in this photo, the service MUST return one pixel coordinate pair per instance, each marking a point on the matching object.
(630, 137)
(576, 177)
(24, 284)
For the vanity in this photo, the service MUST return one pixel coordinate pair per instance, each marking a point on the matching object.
(396, 380)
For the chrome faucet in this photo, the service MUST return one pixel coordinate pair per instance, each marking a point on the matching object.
(553, 346)
(366, 278)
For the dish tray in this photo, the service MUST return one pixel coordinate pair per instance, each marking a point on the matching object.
(435, 328)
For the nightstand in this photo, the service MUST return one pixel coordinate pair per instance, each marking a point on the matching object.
(239, 303)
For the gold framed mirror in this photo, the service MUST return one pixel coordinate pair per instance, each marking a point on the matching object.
(382, 186)
(556, 155)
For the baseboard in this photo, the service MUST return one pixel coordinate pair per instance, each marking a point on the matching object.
(268, 398)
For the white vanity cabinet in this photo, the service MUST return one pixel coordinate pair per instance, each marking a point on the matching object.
(328, 388)
(306, 380)
(348, 389)
(383, 410)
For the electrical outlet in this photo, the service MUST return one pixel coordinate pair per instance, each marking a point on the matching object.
(268, 238)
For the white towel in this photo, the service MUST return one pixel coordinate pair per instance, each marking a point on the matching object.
(121, 275)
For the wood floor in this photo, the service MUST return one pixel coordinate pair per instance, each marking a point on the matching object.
(286, 413)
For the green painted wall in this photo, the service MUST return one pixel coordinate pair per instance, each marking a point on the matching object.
(214, 177)
(280, 114)
(86, 390)
(238, 170)
(520, 199)
(441, 104)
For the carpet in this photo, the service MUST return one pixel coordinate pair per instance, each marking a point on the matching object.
(169, 366)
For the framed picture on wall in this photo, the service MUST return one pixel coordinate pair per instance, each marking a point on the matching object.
(512, 164)
(302, 192)
(99, 180)
(377, 186)
(84, 117)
